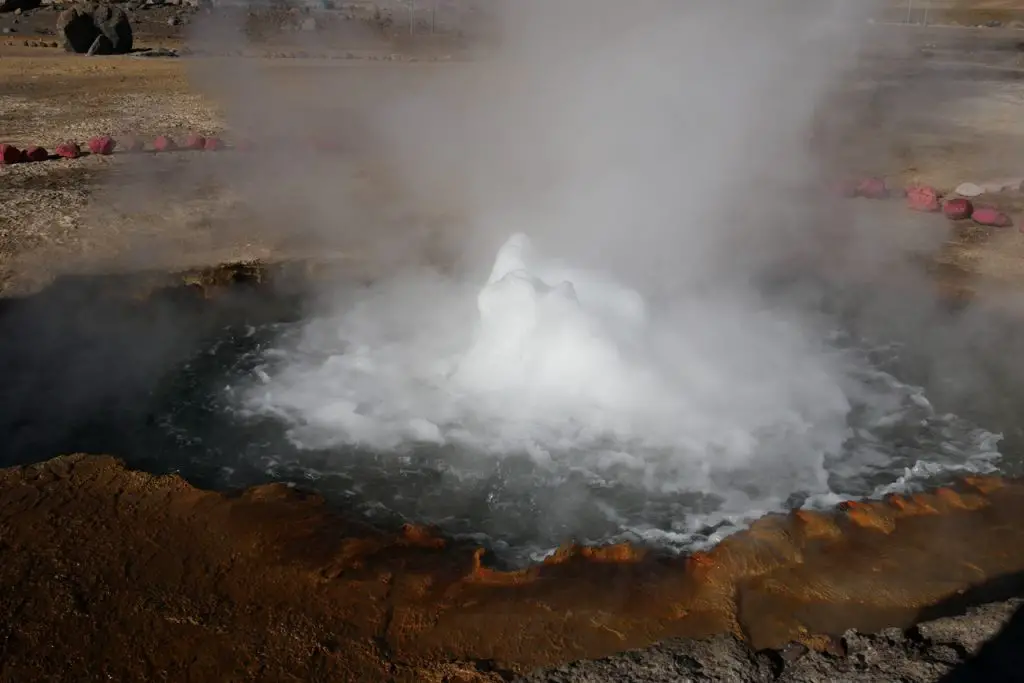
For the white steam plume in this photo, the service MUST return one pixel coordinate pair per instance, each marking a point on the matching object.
(657, 157)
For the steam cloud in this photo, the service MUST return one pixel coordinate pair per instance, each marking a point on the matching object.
(631, 173)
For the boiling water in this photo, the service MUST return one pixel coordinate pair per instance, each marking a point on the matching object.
(555, 403)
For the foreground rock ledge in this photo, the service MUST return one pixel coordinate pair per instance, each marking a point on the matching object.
(110, 572)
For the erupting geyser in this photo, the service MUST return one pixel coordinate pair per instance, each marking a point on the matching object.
(557, 386)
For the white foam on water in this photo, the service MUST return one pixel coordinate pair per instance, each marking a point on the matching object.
(713, 395)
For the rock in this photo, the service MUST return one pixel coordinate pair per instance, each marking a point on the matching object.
(968, 190)
(957, 209)
(114, 24)
(102, 144)
(173, 21)
(923, 198)
(308, 24)
(97, 29)
(872, 188)
(991, 217)
(9, 154)
(165, 143)
(195, 141)
(18, 6)
(35, 153)
(68, 150)
(793, 651)
(213, 145)
(78, 30)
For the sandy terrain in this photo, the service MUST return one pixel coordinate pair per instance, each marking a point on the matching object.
(75, 214)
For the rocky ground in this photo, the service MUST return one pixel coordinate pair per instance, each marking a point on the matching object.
(947, 649)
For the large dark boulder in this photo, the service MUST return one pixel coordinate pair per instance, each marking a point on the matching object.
(95, 30)
(23, 5)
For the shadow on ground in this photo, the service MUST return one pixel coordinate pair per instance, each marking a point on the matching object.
(1001, 658)
(84, 361)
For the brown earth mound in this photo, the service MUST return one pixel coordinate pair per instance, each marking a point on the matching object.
(109, 573)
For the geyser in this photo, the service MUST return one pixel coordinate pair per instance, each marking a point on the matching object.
(553, 378)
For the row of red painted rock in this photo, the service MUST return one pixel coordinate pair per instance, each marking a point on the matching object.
(928, 199)
(103, 145)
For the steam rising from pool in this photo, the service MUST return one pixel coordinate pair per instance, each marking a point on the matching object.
(565, 394)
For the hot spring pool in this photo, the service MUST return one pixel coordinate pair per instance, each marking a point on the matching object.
(577, 429)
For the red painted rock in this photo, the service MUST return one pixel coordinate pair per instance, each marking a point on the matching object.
(9, 154)
(991, 217)
(165, 143)
(68, 150)
(102, 144)
(923, 198)
(872, 188)
(35, 153)
(195, 141)
(958, 209)
(213, 145)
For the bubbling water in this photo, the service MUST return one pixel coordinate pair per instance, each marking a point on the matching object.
(708, 395)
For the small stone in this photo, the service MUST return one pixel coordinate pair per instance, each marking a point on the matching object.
(991, 217)
(308, 24)
(102, 144)
(164, 143)
(9, 154)
(957, 209)
(35, 153)
(68, 150)
(968, 190)
(173, 21)
(923, 198)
